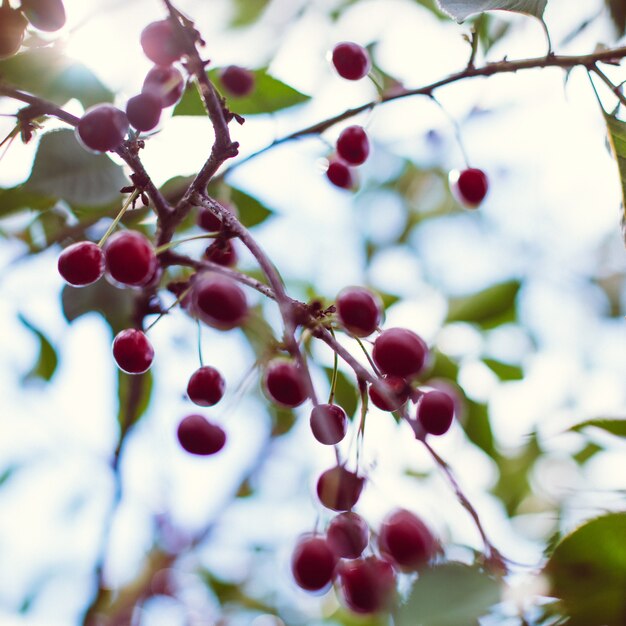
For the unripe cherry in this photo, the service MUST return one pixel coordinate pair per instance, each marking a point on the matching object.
(339, 489)
(313, 563)
(132, 351)
(199, 436)
(81, 264)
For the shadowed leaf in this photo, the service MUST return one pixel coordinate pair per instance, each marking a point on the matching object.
(47, 361)
(460, 10)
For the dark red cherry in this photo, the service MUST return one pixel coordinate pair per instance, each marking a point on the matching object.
(207, 220)
(199, 436)
(81, 264)
(144, 111)
(359, 310)
(329, 423)
(219, 302)
(406, 541)
(340, 174)
(399, 390)
(351, 60)
(399, 352)
(130, 258)
(222, 252)
(284, 383)
(160, 42)
(103, 127)
(471, 185)
(47, 15)
(339, 489)
(353, 146)
(367, 585)
(166, 83)
(12, 27)
(132, 351)
(348, 535)
(313, 563)
(206, 386)
(435, 412)
(237, 81)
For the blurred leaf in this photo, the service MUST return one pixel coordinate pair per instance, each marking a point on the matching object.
(388, 299)
(269, 95)
(617, 138)
(451, 594)
(17, 198)
(504, 371)
(47, 360)
(174, 189)
(6, 474)
(283, 420)
(259, 333)
(346, 617)
(490, 30)
(442, 366)
(617, 9)
(583, 455)
(587, 571)
(251, 211)
(247, 11)
(487, 308)
(460, 10)
(478, 429)
(134, 393)
(64, 169)
(613, 426)
(346, 392)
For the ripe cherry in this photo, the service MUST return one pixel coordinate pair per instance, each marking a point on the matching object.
(81, 264)
(199, 436)
(222, 252)
(237, 81)
(339, 174)
(102, 128)
(399, 352)
(367, 585)
(132, 351)
(160, 42)
(471, 186)
(166, 83)
(313, 563)
(130, 258)
(206, 386)
(353, 146)
(406, 541)
(399, 390)
(218, 301)
(348, 535)
(12, 27)
(359, 310)
(329, 423)
(339, 489)
(351, 60)
(435, 412)
(284, 383)
(47, 15)
(144, 111)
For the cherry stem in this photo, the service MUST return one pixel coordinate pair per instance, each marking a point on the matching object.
(169, 308)
(199, 343)
(333, 382)
(129, 201)
(173, 244)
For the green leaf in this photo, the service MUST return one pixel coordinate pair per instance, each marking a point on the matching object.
(504, 371)
(487, 308)
(259, 333)
(587, 571)
(47, 361)
(269, 95)
(583, 455)
(346, 393)
(478, 428)
(134, 393)
(460, 10)
(247, 11)
(617, 138)
(251, 211)
(442, 366)
(16, 199)
(65, 170)
(451, 594)
(613, 426)
(283, 420)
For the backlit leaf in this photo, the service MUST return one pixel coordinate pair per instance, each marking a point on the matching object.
(613, 426)
(460, 10)
(487, 308)
(47, 361)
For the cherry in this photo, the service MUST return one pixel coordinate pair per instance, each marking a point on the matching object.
(199, 436)
(339, 489)
(353, 146)
(130, 258)
(435, 412)
(102, 128)
(359, 310)
(284, 383)
(222, 252)
(237, 81)
(329, 423)
(347, 535)
(339, 174)
(406, 541)
(206, 386)
(471, 185)
(207, 220)
(218, 301)
(399, 390)
(166, 83)
(313, 563)
(144, 111)
(160, 43)
(12, 27)
(351, 60)
(81, 264)
(132, 351)
(367, 585)
(399, 352)
(48, 15)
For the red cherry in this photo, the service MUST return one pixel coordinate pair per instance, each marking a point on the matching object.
(144, 111)
(132, 351)
(206, 386)
(47, 15)
(399, 352)
(353, 146)
(218, 301)
(130, 258)
(398, 388)
(199, 436)
(166, 83)
(12, 27)
(351, 60)
(339, 174)
(284, 383)
(329, 423)
(406, 541)
(367, 585)
(471, 185)
(222, 252)
(348, 535)
(339, 489)
(102, 128)
(160, 43)
(359, 310)
(313, 563)
(81, 264)
(237, 81)
(207, 220)
(435, 412)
